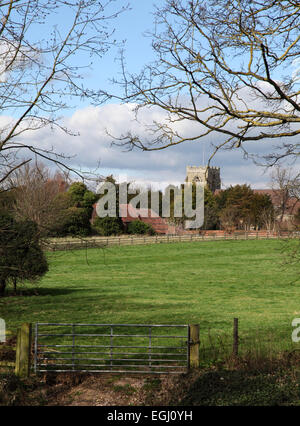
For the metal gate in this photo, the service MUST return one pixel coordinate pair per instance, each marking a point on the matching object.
(108, 348)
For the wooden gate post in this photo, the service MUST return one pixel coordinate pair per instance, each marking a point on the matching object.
(22, 368)
(194, 346)
(235, 349)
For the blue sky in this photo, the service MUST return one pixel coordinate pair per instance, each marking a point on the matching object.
(93, 145)
(129, 28)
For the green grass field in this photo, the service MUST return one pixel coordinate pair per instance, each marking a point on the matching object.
(208, 283)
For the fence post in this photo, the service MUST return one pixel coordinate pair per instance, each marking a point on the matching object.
(23, 351)
(194, 346)
(235, 337)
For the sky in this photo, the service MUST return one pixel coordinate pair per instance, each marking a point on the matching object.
(93, 146)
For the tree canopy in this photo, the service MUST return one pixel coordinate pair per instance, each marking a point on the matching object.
(21, 257)
(240, 208)
(74, 211)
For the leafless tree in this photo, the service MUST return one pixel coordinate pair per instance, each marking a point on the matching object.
(227, 67)
(295, 186)
(268, 220)
(228, 219)
(286, 188)
(43, 59)
(36, 190)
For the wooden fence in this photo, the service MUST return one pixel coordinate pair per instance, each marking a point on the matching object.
(125, 240)
(7, 364)
(22, 364)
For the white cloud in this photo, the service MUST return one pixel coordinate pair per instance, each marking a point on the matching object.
(14, 57)
(94, 145)
(296, 72)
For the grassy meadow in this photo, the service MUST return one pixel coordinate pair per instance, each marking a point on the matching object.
(206, 283)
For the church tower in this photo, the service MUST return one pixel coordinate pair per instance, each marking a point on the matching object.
(210, 176)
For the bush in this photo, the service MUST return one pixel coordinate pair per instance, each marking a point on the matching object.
(77, 222)
(139, 227)
(74, 210)
(108, 226)
(21, 256)
(74, 221)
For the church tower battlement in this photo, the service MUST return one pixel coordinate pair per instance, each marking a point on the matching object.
(210, 176)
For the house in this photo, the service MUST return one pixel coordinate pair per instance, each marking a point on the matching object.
(285, 206)
(129, 214)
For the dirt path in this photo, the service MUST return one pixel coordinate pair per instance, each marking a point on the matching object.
(110, 391)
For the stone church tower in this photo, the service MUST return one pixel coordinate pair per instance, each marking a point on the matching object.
(210, 176)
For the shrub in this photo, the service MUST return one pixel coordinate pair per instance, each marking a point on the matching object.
(76, 222)
(139, 227)
(73, 221)
(108, 226)
(21, 257)
(74, 209)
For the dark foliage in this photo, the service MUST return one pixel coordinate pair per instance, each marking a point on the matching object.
(108, 226)
(139, 227)
(21, 256)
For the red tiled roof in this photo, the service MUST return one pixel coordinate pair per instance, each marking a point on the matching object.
(129, 214)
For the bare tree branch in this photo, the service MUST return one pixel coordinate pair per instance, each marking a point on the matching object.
(40, 76)
(226, 66)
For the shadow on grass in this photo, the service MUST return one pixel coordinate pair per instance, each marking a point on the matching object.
(42, 291)
(244, 388)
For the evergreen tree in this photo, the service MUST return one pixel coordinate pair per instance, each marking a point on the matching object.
(110, 225)
(21, 256)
